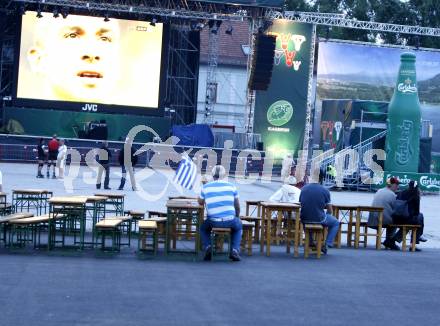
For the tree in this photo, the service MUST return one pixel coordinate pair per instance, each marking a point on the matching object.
(413, 12)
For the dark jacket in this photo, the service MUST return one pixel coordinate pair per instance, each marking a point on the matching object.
(134, 158)
(412, 197)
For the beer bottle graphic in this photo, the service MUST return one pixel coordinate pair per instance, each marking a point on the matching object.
(404, 119)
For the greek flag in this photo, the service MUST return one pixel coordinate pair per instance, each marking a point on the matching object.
(186, 173)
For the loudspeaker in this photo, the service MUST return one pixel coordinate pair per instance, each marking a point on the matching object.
(262, 62)
(260, 146)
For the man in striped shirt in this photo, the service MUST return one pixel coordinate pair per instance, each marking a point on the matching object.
(223, 208)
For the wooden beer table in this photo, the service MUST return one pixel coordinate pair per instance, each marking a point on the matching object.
(183, 212)
(255, 206)
(27, 199)
(345, 214)
(5, 208)
(95, 211)
(114, 203)
(267, 208)
(73, 220)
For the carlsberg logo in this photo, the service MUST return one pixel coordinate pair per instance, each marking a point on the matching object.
(279, 113)
(407, 87)
(429, 182)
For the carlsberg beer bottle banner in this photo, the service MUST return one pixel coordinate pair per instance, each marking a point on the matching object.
(280, 112)
(404, 115)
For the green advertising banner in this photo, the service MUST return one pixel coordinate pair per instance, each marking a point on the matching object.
(280, 112)
(71, 124)
(427, 182)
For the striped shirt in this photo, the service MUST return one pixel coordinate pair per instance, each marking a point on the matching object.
(219, 199)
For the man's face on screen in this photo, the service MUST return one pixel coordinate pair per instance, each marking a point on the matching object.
(79, 56)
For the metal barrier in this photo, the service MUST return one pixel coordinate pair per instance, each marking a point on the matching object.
(28, 154)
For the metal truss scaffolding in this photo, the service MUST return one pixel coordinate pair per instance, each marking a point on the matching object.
(250, 103)
(211, 80)
(340, 21)
(196, 10)
(7, 43)
(181, 78)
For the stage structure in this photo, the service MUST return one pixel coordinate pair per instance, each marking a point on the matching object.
(7, 44)
(181, 87)
(191, 13)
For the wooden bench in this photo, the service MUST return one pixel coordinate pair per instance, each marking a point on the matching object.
(218, 236)
(6, 208)
(125, 227)
(317, 230)
(28, 229)
(246, 240)
(405, 229)
(136, 216)
(147, 228)
(6, 226)
(161, 220)
(109, 226)
(7, 218)
(256, 220)
(34, 219)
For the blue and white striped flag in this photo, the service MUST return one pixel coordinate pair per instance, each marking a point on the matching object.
(186, 173)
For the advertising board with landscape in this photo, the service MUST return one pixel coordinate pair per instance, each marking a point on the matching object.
(368, 72)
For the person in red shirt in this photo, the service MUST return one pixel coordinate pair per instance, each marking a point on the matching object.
(53, 153)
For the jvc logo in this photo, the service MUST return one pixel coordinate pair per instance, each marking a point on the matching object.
(90, 107)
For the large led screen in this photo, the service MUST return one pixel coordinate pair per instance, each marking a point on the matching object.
(88, 60)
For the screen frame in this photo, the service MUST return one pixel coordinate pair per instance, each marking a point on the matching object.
(88, 106)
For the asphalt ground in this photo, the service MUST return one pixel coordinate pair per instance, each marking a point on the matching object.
(346, 287)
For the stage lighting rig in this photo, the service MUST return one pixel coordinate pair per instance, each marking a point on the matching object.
(39, 15)
(106, 19)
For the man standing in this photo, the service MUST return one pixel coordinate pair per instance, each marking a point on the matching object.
(53, 153)
(104, 164)
(286, 167)
(127, 163)
(314, 198)
(223, 209)
(386, 198)
(41, 157)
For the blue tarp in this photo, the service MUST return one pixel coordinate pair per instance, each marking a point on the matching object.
(194, 135)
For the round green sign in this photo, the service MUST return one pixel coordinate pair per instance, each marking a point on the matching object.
(279, 113)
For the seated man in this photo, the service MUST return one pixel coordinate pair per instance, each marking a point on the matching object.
(288, 193)
(223, 209)
(314, 198)
(386, 198)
